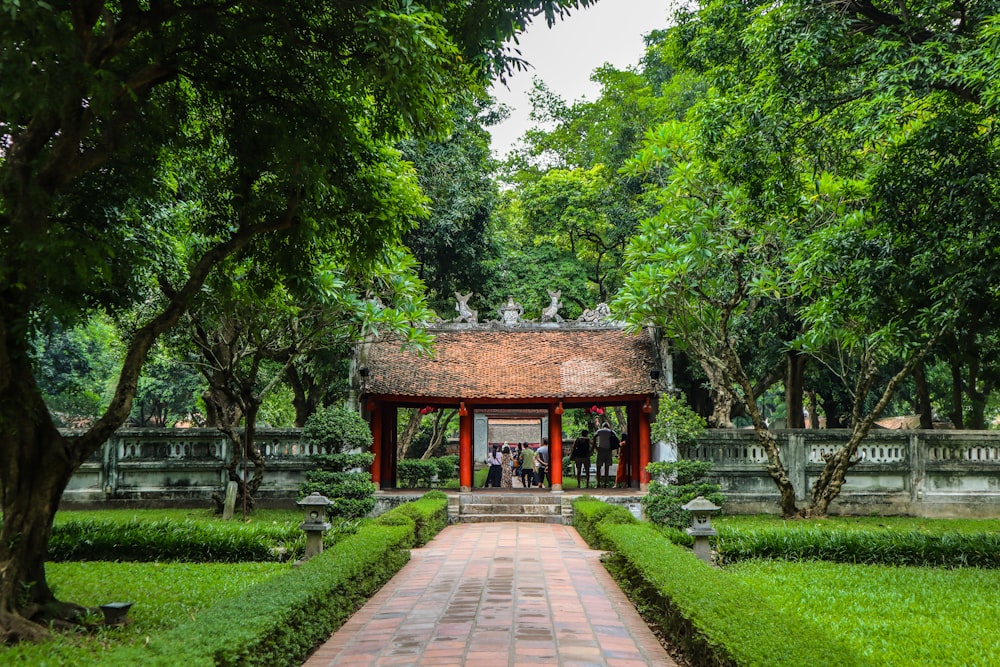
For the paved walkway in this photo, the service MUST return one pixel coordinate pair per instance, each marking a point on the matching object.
(498, 594)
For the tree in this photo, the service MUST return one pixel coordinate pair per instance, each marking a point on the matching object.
(144, 145)
(813, 113)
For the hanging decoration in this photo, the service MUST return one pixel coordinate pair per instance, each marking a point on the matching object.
(427, 409)
(595, 410)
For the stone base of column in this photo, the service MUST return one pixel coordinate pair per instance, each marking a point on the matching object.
(465, 489)
(556, 488)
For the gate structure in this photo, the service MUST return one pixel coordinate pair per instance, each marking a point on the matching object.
(510, 365)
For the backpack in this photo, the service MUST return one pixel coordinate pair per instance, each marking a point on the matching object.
(615, 442)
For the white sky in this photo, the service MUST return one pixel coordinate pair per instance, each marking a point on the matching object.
(564, 56)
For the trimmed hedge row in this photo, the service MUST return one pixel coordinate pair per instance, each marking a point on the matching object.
(711, 617)
(429, 516)
(185, 541)
(912, 548)
(279, 621)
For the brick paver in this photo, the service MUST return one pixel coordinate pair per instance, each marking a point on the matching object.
(497, 594)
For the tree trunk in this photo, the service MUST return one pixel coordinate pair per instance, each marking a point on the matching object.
(813, 409)
(795, 367)
(924, 408)
(957, 393)
(441, 421)
(412, 426)
(36, 464)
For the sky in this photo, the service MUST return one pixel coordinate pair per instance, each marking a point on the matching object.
(565, 56)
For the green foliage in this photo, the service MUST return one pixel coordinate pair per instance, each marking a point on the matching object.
(428, 516)
(280, 620)
(711, 616)
(337, 430)
(345, 480)
(447, 467)
(676, 422)
(415, 473)
(187, 540)
(588, 513)
(874, 544)
(675, 484)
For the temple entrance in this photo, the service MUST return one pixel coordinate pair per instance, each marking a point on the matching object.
(513, 381)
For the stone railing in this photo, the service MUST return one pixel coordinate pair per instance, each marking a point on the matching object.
(920, 473)
(174, 465)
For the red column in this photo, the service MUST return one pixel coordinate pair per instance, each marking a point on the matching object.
(376, 426)
(555, 447)
(465, 456)
(644, 450)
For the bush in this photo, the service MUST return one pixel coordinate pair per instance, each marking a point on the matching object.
(185, 541)
(712, 617)
(447, 467)
(588, 512)
(806, 541)
(429, 516)
(662, 504)
(337, 430)
(277, 622)
(337, 476)
(415, 473)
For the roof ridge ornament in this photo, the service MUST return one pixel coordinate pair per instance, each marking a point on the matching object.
(511, 312)
(601, 313)
(551, 312)
(464, 312)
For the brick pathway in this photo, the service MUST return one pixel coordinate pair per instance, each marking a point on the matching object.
(497, 594)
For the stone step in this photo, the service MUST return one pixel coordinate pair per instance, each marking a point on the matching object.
(523, 498)
(510, 518)
(486, 508)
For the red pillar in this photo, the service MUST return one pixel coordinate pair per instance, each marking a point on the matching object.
(644, 450)
(465, 456)
(376, 426)
(555, 447)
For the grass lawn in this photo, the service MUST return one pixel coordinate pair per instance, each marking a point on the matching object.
(899, 616)
(164, 595)
(124, 516)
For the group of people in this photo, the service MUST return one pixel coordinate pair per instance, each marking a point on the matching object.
(523, 462)
(605, 443)
(532, 466)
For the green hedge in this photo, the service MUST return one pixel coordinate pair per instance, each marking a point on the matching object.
(588, 512)
(809, 542)
(429, 516)
(710, 616)
(186, 541)
(279, 621)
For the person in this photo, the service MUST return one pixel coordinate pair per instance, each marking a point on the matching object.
(580, 455)
(528, 467)
(605, 442)
(542, 463)
(518, 459)
(623, 476)
(493, 460)
(506, 467)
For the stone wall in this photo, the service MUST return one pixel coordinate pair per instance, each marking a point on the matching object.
(920, 473)
(917, 473)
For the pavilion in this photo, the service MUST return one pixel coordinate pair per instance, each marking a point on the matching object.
(513, 367)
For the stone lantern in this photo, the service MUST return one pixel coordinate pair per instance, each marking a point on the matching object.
(315, 523)
(701, 526)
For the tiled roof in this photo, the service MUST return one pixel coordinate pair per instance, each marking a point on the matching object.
(517, 363)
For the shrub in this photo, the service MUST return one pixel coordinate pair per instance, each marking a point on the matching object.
(429, 516)
(588, 512)
(447, 467)
(676, 422)
(415, 473)
(277, 622)
(662, 504)
(186, 541)
(711, 616)
(345, 480)
(337, 430)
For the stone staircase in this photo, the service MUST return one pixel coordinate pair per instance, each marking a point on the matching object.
(525, 506)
